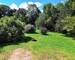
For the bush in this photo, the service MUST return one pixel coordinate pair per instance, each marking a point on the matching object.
(68, 23)
(29, 28)
(50, 24)
(41, 21)
(43, 30)
(10, 30)
(72, 32)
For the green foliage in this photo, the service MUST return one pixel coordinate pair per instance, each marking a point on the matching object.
(68, 23)
(72, 32)
(4, 10)
(21, 11)
(29, 28)
(32, 14)
(47, 9)
(50, 24)
(10, 29)
(70, 5)
(43, 30)
(55, 18)
(41, 21)
(62, 9)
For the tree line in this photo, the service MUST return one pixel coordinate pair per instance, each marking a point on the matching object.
(55, 18)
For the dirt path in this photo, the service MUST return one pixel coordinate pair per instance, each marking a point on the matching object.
(20, 54)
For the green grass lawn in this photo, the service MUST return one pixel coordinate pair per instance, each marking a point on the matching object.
(54, 46)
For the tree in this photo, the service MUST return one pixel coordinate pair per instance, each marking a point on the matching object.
(10, 29)
(4, 10)
(51, 13)
(12, 12)
(21, 11)
(66, 24)
(41, 21)
(32, 14)
(47, 9)
(21, 14)
(70, 5)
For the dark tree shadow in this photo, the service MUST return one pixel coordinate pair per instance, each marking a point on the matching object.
(45, 34)
(70, 36)
(25, 39)
(32, 33)
(67, 35)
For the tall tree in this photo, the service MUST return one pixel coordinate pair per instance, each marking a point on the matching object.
(47, 9)
(70, 5)
(4, 10)
(32, 14)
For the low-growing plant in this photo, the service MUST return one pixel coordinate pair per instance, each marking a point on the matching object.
(29, 28)
(43, 30)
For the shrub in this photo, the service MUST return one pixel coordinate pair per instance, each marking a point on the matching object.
(66, 25)
(10, 30)
(43, 30)
(29, 28)
(41, 21)
(50, 24)
(72, 32)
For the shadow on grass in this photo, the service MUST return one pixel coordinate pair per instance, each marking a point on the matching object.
(45, 34)
(67, 35)
(32, 33)
(25, 39)
(70, 36)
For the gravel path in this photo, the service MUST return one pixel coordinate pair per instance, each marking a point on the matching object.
(20, 54)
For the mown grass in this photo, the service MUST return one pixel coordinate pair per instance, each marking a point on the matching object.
(54, 46)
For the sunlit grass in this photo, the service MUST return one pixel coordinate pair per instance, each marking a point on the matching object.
(51, 44)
